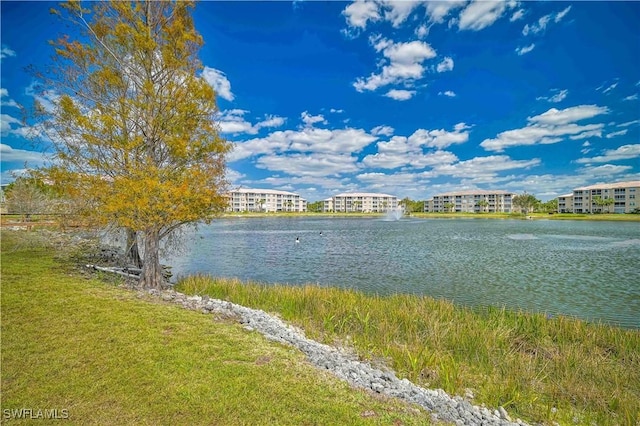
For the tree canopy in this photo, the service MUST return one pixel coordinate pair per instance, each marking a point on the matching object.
(526, 202)
(132, 120)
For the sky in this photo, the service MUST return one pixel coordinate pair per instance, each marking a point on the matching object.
(411, 99)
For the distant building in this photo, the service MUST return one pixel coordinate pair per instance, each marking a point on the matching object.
(265, 200)
(622, 193)
(472, 201)
(565, 203)
(365, 202)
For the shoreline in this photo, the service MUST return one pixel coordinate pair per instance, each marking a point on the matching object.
(427, 344)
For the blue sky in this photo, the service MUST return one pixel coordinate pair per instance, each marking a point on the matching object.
(411, 99)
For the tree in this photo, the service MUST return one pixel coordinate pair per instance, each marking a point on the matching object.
(27, 196)
(483, 204)
(608, 202)
(316, 206)
(550, 206)
(132, 122)
(449, 206)
(603, 202)
(526, 202)
(406, 204)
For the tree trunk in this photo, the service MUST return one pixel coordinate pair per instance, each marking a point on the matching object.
(151, 276)
(133, 252)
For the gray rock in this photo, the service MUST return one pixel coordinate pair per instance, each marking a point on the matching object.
(456, 410)
(503, 413)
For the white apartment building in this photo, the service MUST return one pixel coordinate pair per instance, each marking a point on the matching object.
(565, 203)
(265, 200)
(472, 201)
(365, 202)
(623, 193)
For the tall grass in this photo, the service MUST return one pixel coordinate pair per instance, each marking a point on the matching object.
(541, 369)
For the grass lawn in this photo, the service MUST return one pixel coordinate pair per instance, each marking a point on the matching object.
(99, 354)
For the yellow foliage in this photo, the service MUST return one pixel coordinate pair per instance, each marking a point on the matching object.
(135, 139)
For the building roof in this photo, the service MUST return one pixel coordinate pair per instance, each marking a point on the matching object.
(364, 194)
(261, 191)
(476, 192)
(628, 184)
(566, 195)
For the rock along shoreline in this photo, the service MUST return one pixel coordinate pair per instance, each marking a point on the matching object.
(442, 406)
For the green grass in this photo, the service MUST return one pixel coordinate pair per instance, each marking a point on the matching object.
(112, 357)
(542, 370)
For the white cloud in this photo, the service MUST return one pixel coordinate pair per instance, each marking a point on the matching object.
(605, 170)
(558, 96)
(403, 63)
(304, 140)
(401, 151)
(5, 123)
(13, 155)
(624, 152)
(618, 133)
(542, 23)
(218, 80)
(397, 12)
(431, 159)
(271, 121)
(8, 102)
(550, 127)
(336, 111)
(517, 15)
(610, 88)
(309, 120)
(561, 14)
(629, 123)
(382, 131)
(233, 121)
(407, 53)
(537, 27)
(568, 115)
(422, 31)
(587, 134)
(439, 10)
(384, 180)
(445, 65)
(484, 166)
(313, 165)
(233, 176)
(481, 14)
(400, 95)
(585, 147)
(449, 93)
(525, 49)
(441, 138)
(5, 52)
(360, 12)
(631, 97)
(394, 154)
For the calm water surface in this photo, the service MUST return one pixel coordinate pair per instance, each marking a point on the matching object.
(580, 268)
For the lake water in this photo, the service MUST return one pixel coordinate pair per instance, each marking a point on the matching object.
(585, 269)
